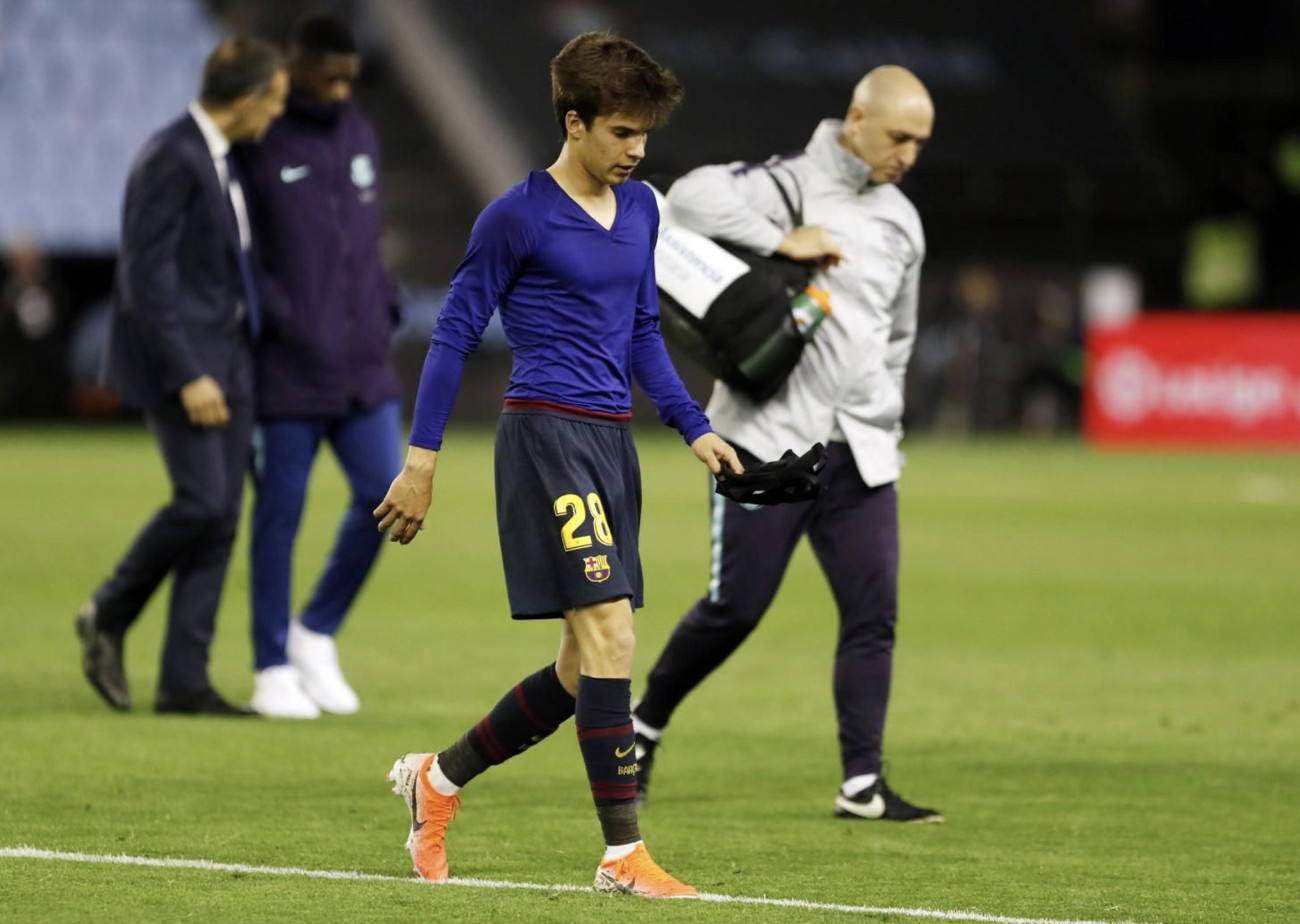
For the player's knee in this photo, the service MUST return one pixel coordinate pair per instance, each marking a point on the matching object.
(604, 636)
(609, 652)
(615, 646)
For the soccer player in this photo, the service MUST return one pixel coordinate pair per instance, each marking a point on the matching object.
(566, 256)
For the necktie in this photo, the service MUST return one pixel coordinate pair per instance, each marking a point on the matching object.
(251, 302)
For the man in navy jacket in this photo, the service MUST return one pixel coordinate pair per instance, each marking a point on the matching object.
(323, 369)
(184, 315)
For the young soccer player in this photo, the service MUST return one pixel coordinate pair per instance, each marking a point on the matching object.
(567, 257)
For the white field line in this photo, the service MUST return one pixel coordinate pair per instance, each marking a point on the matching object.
(33, 853)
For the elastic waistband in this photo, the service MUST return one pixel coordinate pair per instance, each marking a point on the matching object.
(568, 410)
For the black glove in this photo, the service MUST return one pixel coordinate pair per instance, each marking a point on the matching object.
(788, 480)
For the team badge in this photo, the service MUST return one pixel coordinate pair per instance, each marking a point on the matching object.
(897, 245)
(596, 567)
(363, 171)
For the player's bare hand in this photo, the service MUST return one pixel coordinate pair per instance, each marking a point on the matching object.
(715, 452)
(811, 243)
(204, 402)
(402, 511)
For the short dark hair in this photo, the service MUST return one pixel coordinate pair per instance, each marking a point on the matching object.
(598, 73)
(322, 34)
(239, 65)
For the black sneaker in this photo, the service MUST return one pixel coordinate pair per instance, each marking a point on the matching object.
(880, 803)
(645, 758)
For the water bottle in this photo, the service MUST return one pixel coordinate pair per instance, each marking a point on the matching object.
(768, 364)
(809, 308)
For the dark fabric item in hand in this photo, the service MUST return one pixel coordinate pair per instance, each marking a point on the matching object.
(788, 480)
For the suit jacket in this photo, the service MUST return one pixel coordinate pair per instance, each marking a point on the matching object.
(178, 281)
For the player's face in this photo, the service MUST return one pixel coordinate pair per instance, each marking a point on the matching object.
(611, 147)
(891, 141)
(327, 78)
(257, 111)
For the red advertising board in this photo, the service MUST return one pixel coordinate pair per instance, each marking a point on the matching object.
(1183, 379)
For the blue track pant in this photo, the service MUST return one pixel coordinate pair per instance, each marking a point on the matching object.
(368, 447)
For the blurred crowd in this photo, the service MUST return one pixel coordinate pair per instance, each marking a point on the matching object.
(52, 337)
(999, 349)
(996, 351)
(1203, 92)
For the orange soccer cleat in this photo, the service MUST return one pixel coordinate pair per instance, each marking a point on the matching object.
(431, 812)
(638, 874)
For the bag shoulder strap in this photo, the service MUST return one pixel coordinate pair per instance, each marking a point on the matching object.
(796, 213)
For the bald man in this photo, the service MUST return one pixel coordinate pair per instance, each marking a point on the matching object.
(865, 239)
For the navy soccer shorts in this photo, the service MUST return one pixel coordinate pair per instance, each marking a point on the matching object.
(568, 493)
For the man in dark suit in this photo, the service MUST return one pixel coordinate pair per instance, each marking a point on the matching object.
(185, 314)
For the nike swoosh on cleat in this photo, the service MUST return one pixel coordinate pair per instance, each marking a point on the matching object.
(620, 753)
(416, 823)
(413, 803)
(294, 174)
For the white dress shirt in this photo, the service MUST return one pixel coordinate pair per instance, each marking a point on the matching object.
(848, 386)
(219, 148)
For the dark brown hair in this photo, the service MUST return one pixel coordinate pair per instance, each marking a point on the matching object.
(239, 65)
(599, 73)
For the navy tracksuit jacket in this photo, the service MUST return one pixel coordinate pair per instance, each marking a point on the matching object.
(329, 307)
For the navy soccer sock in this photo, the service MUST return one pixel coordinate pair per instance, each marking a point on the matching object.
(604, 719)
(537, 706)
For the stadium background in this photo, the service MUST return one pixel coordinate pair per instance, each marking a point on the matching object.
(1091, 156)
(1096, 674)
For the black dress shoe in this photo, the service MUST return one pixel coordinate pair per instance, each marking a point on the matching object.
(101, 659)
(198, 702)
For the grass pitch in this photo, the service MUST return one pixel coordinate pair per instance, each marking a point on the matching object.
(1096, 681)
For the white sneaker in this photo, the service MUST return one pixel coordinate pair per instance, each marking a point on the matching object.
(317, 661)
(278, 693)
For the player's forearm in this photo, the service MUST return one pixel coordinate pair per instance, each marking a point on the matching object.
(421, 461)
(439, 383)
(654, 372)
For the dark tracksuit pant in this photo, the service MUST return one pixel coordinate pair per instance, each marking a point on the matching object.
(853, 530)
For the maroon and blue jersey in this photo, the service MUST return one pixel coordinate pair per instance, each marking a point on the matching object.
(578, 304)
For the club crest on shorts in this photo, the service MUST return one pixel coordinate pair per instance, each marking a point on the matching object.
(596, 567)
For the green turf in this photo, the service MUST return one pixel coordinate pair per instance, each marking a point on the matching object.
(1096, 681)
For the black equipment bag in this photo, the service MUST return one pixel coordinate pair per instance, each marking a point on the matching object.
(746, 335)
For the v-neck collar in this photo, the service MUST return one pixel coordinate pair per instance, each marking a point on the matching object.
(618, 204)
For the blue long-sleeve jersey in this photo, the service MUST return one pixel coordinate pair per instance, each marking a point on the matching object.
(578, 304)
